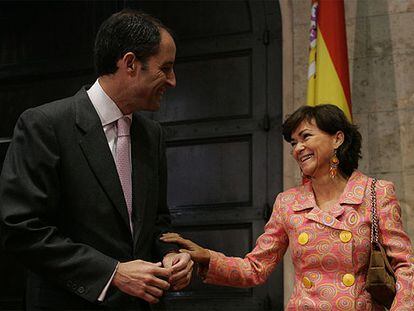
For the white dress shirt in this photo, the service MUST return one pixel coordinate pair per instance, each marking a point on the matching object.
(108, 113)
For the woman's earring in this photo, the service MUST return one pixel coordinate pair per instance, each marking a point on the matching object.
(333, 165)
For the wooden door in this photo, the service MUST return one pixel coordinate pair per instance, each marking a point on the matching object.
(223, 136)
(222, 121)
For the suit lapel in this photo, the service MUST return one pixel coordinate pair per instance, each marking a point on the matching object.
(96, 150)
(141, 171)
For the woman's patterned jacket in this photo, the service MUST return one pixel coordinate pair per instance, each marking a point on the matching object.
(330, 250)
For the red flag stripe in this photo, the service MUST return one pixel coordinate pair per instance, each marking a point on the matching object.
(331, 23)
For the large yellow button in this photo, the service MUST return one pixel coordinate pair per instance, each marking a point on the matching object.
(345, 236)
(306, 282)
(348, 279)
(303, 238)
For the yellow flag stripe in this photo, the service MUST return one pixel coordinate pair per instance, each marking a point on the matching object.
(326, 87)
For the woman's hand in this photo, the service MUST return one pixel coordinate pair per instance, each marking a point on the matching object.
(197, 253)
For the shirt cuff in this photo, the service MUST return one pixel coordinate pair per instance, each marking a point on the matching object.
(103, 293)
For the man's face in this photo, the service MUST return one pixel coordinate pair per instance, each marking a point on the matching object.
(156, 75)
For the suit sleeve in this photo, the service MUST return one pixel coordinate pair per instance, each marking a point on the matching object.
(397, 245)
(257, 265)
(29, 202)
(163, 222)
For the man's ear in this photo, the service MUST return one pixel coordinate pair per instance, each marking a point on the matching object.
(129, 62)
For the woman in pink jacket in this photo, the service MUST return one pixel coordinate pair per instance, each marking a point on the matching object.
(326, 221)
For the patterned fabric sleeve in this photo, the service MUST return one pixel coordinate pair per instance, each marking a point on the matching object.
(255, 268)
(397, 245)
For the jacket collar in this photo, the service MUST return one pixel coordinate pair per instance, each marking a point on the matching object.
(354, 189)
(353, 193)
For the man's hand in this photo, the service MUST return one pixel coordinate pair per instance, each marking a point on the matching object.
(182, 268)
(142, 279)
(199, 254)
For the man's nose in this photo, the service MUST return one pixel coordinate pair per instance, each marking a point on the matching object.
(171, 81)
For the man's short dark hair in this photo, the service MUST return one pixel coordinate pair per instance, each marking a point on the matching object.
(330, 119)
(123, 32)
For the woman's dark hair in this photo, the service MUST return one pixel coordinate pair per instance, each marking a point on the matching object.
(123, 32)
(330, 119)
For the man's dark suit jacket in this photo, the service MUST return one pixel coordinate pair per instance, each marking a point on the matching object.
(62, 207)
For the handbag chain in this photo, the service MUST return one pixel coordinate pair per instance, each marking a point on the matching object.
(374, 229)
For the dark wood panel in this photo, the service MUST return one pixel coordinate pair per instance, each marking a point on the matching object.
(233, 239)
(205, 215)
(207, 18)
(19, 96)
(46, 30)
(205, 83)
(220, 128)
(43, 69)
(209, 172)
(211, 120)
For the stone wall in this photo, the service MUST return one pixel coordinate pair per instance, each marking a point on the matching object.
(380, 36)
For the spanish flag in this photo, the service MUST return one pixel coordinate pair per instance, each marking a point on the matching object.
(328, 74)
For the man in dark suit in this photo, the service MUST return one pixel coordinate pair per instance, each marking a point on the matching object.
(83, 186)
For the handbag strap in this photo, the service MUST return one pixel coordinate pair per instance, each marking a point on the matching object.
(374, 216)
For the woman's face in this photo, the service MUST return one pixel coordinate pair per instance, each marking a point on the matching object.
(313, 148)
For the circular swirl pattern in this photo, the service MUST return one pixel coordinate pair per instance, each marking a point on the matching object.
(329, 263)
(315, 276)
(301, 198)
(352, 219)
(396, 215)
(266, 242)
(235, 276)
(334, 235)
(346, 249)
(324, 305)
(320, 226)
(287, 198)
(389, 189)
(345, 303)
(311, 261)
(306, 304)
(397, 245)
(324, 246)
(364, 230)
(296, 220)
(327, 291)
(328, 220)
(358, 191)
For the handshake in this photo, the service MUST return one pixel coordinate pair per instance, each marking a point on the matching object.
(148, 280)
